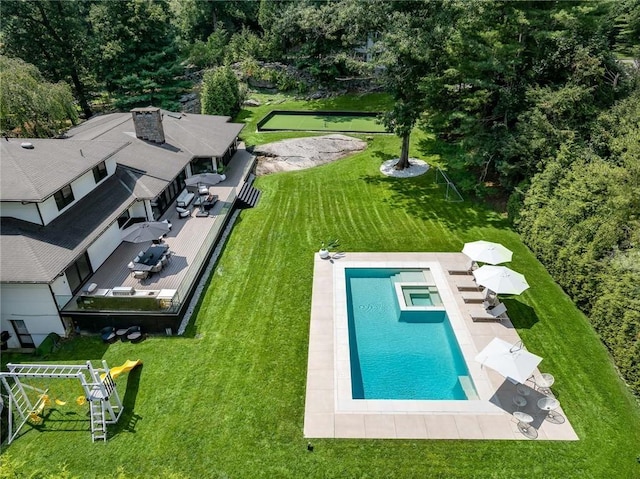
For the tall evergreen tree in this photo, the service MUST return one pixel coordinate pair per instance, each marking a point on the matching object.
(138, 55)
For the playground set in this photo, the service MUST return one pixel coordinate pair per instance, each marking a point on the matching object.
(98, 385)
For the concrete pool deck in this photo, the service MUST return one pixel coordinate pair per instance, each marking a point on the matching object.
(330, 412)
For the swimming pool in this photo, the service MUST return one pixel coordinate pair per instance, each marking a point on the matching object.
(401, 343)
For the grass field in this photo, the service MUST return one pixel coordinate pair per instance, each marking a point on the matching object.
(316, 122)
(226, 400)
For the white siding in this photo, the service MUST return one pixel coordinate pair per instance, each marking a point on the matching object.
(14, 209)
(106, 244)
(33, 304)
(61, 290)
(81, 187)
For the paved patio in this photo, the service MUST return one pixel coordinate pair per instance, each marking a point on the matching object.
(331, 412)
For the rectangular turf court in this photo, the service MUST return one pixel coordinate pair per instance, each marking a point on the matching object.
(348, 122)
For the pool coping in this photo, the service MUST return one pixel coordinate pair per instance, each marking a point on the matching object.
(331, 413)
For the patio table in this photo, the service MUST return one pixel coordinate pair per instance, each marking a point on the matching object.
(150, 257)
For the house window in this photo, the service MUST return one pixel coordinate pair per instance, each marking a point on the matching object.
(100, 172)
(64, 197)
(123, 218)
(202, 165)
(78, 272)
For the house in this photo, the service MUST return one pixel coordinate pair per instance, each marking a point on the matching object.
(64, 203)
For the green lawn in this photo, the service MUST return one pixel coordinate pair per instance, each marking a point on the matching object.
(227, 399)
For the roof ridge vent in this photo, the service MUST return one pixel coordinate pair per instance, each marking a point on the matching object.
(26, 145)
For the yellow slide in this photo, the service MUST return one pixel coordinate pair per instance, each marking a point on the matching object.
(125, 368)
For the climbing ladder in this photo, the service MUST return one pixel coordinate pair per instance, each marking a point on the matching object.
(98, 386)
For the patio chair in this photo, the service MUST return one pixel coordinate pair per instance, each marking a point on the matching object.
(168, 223)
(140, 274)
(134, 334)
(108, 334)
(157, 267)
(471, 266)
(183, 212)
(498, 312)
(132, 266)
(121, 333)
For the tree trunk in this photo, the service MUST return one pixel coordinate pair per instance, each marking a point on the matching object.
(80, 94)
(403, 162)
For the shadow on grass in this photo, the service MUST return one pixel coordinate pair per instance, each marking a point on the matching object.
(129, 419)
(77, 348)
(191, 331)
(521, 315)
(426, 200)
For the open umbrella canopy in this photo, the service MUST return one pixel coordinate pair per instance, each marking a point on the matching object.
(145, 231)
(487, 252)
(510, 360)
(204, 179)
(500, 279)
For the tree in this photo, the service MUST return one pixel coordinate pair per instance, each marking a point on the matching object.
(198, 19)
(220, 92)
(55, 37)
(410, 49)
(138, 57)
(28, 102)
(505, 62)
(580, 218)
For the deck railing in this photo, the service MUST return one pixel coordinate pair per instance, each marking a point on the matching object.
(149, 301)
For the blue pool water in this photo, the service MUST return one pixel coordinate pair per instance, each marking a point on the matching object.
(413, 356)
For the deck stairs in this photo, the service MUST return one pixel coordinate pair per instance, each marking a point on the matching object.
(248, 196)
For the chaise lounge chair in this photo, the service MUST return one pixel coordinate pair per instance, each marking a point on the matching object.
(498, 312)
(472, 266)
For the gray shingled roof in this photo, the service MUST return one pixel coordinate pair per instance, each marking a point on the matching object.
(186, 135)
(30, 253)
(35, 174)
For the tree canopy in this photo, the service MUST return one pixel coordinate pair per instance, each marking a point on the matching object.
(32, 105)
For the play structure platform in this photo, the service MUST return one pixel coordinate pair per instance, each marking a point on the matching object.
(98, 385)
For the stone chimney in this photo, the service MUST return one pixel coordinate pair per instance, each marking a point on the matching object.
(148, 124)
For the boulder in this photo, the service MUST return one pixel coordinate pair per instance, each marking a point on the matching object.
(302, 153)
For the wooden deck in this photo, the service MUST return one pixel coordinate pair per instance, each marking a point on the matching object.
(189, 240)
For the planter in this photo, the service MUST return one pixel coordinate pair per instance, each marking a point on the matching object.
(324, 254)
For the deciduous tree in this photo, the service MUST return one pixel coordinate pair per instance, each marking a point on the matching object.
(33, 106)
(54, 36)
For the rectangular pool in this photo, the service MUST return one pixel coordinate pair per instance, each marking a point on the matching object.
(401, 344)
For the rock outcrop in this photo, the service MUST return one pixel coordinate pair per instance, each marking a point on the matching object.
(301, 153)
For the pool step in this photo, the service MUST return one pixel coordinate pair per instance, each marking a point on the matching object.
(422, 276)
(468, 387)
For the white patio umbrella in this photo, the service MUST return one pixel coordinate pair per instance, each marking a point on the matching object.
(510, 360)
(145, 231)
(487, 252)
(204, 179)
(500, 279)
